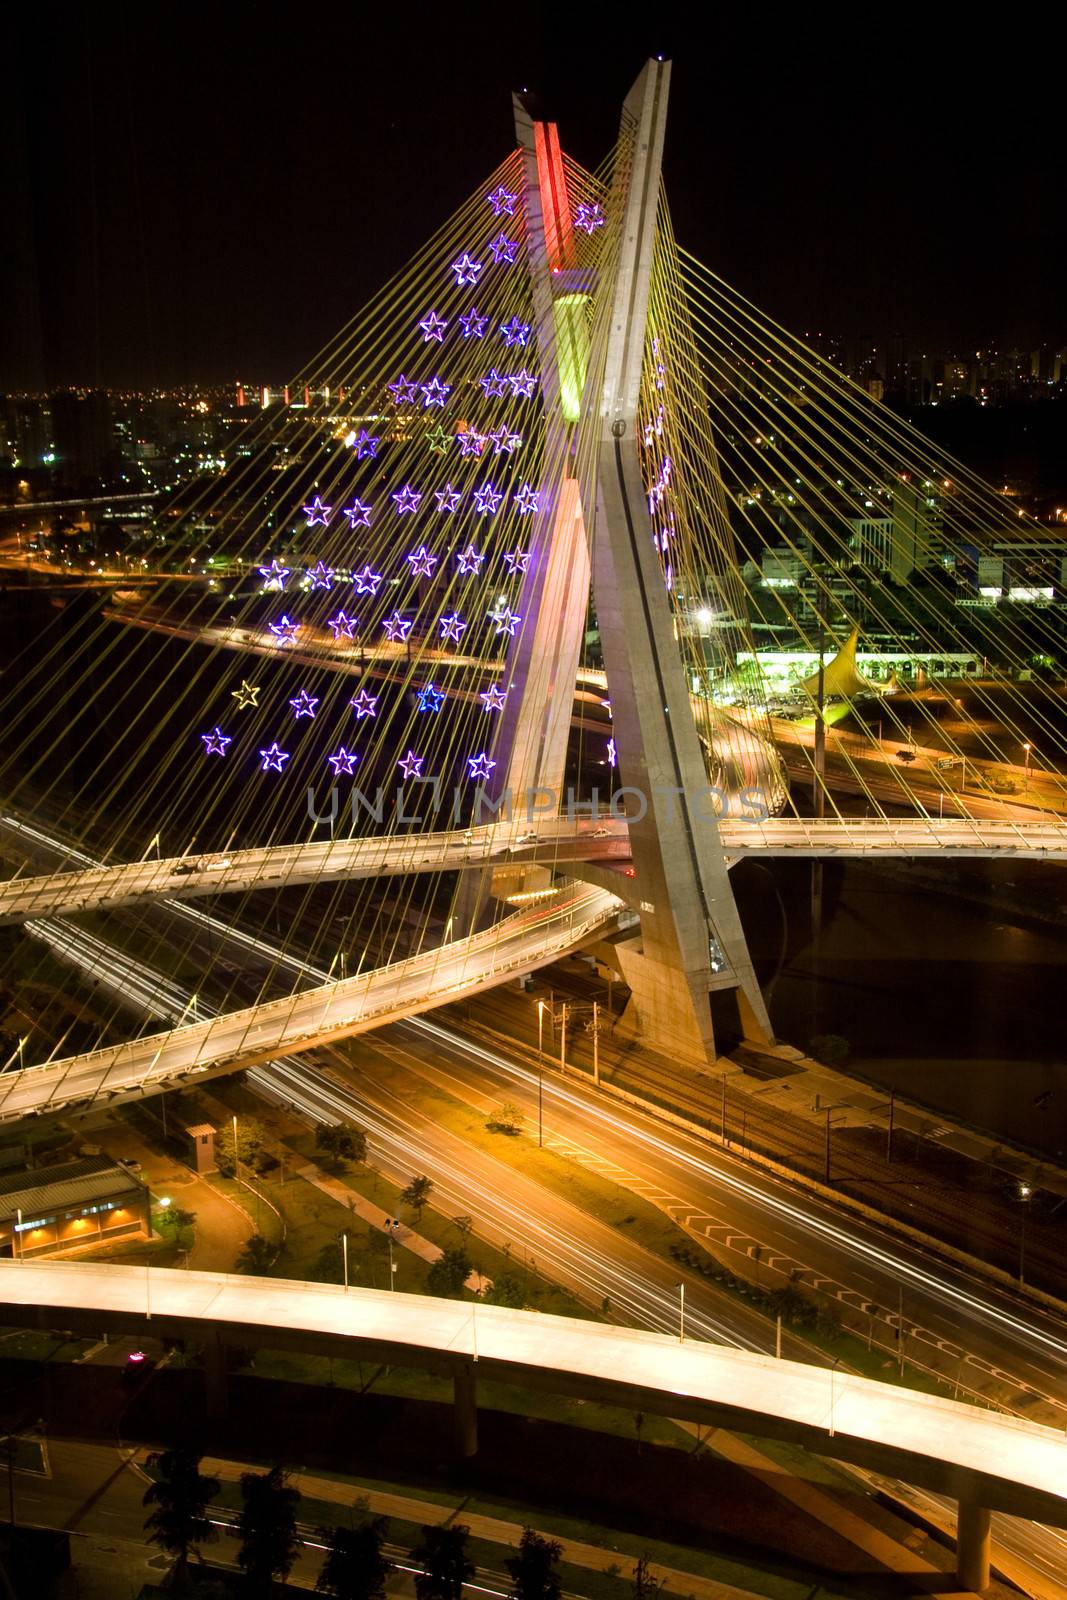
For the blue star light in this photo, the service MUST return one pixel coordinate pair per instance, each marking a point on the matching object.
(435, 393)
(304, 704)
(342, 760)
(493, 698)
(215, 742)
(433, 327)
(422, 563)
(343, 625)
(613, 754)
(487, 499)
(466, 269)
(274, 759)
(364, 705)
(479, 766)
(317, 514)
(430, 698)
(274, 576)
(358, 515)
(407, 499)
(527, 499)
(515, 332)
(469, 561)
(502, 202)
(503, 249)
(284, 630)
(365, 446)
(506, 620)
(447, 498)
(494, 384)
(452, 627)
(473, 325)
(319, 576)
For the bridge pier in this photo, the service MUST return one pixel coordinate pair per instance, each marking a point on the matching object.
(216, 1388)
(465, 1410)
(973, 1540)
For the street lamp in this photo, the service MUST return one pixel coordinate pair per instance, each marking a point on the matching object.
(236, 1167)
(833, 1371)
(1027, 748)
(344, 1258)
(681, 1313)
(391, 1224)
(1025, 1193)
(540, 1074)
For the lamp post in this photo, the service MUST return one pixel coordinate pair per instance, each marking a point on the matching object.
(681, 1313)
(1025, 1193)
(1027, 750)
(540, 1074)
(833, 1371)
(391, 1225)
(344, 1258)
(236, 1166)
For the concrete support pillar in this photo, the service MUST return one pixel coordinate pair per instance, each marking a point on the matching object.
(465, 1412)
(973, 1540)
(217, 1393)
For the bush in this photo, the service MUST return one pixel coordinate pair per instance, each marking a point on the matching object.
(449, 1273)
(507, 1118)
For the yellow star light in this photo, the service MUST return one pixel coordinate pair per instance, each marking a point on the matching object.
(247, 695)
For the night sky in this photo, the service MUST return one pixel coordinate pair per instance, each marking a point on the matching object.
(199, 192)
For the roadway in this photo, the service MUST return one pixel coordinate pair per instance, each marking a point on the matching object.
(557, 842)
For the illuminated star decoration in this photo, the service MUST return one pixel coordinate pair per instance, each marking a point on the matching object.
(502, 202)
(612, 753)
(438, 438)
(317, 514)
(365, 446)
(396, 628)
(364, 704)
(452, 626)
(304, 704)
(503, 249)
(479, 766)
(447, 498)
(342, 624)
(430, 698)
(274, 759)
(589, 216)
(215, 742)
(319, 575)
(274, 576)
(285, 629)
(493, 698)
(506, 621)
(494, 384)
(503, 440)
(366, 582)
(487, 499)
(466, 269)
(247, 695)
(422, 563)
(433, 327)
(402, 391)
(434, 393)
(526, 499)
(522, 383)
(469, 561)
(411, 765)
(407, 499)
(517, 560)
(471, 443)
(473, 325)
(515, 332)
(342, 761)
(358, 515)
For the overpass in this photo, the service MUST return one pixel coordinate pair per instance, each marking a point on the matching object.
(987, 1461)
(539, 934)
(558, 842)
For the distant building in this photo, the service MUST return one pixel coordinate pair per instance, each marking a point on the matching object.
(70, 1206)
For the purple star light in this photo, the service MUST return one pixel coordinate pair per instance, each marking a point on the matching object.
(515, 333)
(215, 742)
(526, 499)
(366, 582)
(466, 269)
(447, 498)
(503, 249)
(358, 515)
(494, 384)
(342, 761)
(304, 704)
(402, 391)
(343, 625)
(285, 629)
(473, 325)
(434, 393)
(407, 499)
(469, 560)
(522, 383)
(364, 705)
(471, 443)
(274, 759)
(274, 576)
(589, 216)
(365, 446)
(319, 576)
(502, 202)
(487, 499)
(396, 628)
(411, 765)
(422, 563)
(493, 698)
(452, 627)
(479, 766)
(433, 327)
(506, 620)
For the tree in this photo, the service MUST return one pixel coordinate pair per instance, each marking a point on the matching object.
(355, 1568)
(645, 1586)
(507, 1118)
(342, 1141)
(506, 1291)
(181, 1496)
(830, 1048)
(534, 1571)
(463, 1226)
(251, 1147)
(416, 1195)
(449, 1273)
(442, 1556)
(258, 1256)
(180, 1220)
(267, 1529)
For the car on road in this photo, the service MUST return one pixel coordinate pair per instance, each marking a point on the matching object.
(183, 869)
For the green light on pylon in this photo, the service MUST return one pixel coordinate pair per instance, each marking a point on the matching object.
(572, 351)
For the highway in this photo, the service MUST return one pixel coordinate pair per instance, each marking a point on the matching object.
(556, 842)
(532, 937)
(1000, 1462)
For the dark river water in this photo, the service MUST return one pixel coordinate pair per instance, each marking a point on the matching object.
(957, 1004)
